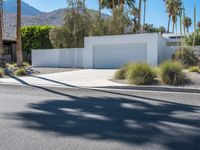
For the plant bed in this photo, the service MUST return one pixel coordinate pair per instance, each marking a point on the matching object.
(13, 70)
(174, 70)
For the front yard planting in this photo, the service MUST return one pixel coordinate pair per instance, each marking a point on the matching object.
(1, 73)
(168, 73)
(194, 69)
(13, 70)
(171, 73)
(140, 74)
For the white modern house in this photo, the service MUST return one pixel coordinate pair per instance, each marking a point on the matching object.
(105, 52)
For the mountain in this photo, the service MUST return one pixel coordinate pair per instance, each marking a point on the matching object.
(54, 18)
(10, 6)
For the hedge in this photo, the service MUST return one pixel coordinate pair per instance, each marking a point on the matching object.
(35, 37)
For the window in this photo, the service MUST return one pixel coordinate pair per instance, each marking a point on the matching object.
(7, 50)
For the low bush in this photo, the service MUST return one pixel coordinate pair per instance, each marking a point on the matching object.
(194, 69)
(140, 74)
(172, 73)
(20, 72)
(1, 73)
(122, 73)
(187, 56)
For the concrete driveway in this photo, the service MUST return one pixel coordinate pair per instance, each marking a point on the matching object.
(77, 78)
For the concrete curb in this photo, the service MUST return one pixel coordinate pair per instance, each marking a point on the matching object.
(155, 88)
(136, 88)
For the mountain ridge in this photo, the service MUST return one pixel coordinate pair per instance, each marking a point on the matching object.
(10, 6)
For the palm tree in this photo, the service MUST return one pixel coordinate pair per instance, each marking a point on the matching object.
(169, 9)
(1, 33)
(111, 4)
(187, 23)
(198, 25)
(145, 4)
(84, 5)
(177, 9)
(135, 13)
(19, 43)
(140, 12)
(195, 23)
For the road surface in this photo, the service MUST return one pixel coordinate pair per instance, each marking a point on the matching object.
(38, 118)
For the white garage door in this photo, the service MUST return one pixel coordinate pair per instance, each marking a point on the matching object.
(116, 55)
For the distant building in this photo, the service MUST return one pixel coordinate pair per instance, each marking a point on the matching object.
(9, 53)
(173, 39)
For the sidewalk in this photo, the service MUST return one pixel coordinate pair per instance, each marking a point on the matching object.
(89, 78)
(78, 78)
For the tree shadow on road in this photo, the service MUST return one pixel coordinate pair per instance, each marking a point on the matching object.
(125, 119)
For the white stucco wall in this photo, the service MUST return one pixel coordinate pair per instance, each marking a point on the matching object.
(162, 50)
(107, 52)
(149, 40)
(70, 57)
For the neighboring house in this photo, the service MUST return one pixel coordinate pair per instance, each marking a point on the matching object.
(173, 39)
(9, 53)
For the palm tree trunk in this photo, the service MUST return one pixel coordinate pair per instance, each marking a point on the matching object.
(99, 10)
(19, 43)
(140, 12)
(145, 5)
(169, 21)
(1, 30)
(184, 23)
(181, 24)
(195, 23)
(83, 5)
(173, 27)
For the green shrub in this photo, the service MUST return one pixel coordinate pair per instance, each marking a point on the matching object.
(1, 73)
(20, 72)
(187, 56)
(140, 74)
(193, 39)
(194, 69)
(35, 37)
(172, 73)
(122, 73)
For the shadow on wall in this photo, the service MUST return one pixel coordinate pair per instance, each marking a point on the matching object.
(124, 119)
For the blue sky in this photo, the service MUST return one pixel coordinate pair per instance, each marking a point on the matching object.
(155, 8)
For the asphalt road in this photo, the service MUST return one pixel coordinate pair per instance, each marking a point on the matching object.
(36, 118)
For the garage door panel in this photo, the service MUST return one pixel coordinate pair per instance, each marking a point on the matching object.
(116, 55)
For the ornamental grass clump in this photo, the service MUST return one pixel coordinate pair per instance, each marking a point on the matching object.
(187, 56)
(194, 69)
(21, 72)
(140, 74)
(1, 73)
(121, 74)
(172, 73)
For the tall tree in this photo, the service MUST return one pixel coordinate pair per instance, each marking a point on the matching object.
(1, 33)
(18, 33)
(198, 25)
(145, 6)
(116, 3)
(195, 22)
(187, 23)
(169, 9)
(140, 12)
(177, 9)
